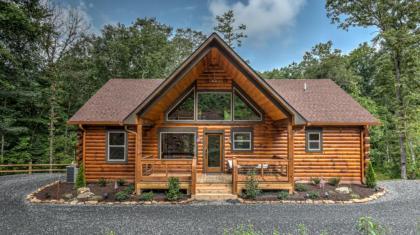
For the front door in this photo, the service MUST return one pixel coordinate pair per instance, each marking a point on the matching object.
(213, 152)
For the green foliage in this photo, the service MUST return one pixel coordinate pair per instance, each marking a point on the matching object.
(147, 196)
(316, 180)
(251, 186)
(313, 195)
(102, 182)
(301, 187)
(367, 226)
(370, 176)
(122, 196)
(120, 182)
(129, 189)
(225, 26)
(80, 178)
(302, 230)
(173, 192)
(335, 181)
(282, 195)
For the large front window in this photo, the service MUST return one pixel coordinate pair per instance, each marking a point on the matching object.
(215, 106)
(176, 145)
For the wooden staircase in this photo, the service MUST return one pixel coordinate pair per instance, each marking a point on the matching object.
(214, 187)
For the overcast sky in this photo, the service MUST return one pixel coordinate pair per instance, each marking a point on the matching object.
(279, 31)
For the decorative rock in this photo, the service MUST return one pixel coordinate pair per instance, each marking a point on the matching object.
(83, 190)
(85, 196)
(74, 202)
(35, 200)
(68, 196)
(343, 190)
(91, 202)
(326, 194)
(96, 198)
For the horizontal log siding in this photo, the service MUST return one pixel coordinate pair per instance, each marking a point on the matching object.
(96, 165)
(269, 140)
(340, 156)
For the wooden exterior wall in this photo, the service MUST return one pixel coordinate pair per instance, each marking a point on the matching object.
(340, 155)
(96, 165)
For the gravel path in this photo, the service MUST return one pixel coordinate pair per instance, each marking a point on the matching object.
(399, 210)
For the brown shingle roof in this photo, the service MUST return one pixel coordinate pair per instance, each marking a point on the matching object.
(115, 101)
(322, 102)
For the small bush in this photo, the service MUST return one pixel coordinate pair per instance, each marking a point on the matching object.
(282, 195)
(313, 195)
(335, 181)
(80, 180)
(251, 186)
(301, 188)
(129, 189)
(315, 181)
(370, 176)
(173, 193)
(121, 182)
(147, 196)
(121, 196)
(102, 182)
(368, 226)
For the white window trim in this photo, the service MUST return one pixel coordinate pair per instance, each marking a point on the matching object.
(175, 132)
(242, 141)
(314, 141)
(236, 91)
(123, 145)
(177, 103)
(217, 92)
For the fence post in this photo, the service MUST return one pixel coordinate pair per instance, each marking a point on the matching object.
(30, 167)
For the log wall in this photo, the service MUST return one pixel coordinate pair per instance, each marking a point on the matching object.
(340, 156)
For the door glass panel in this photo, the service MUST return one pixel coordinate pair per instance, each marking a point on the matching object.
(213, 151)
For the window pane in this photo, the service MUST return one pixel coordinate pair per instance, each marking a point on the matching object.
(313, 136)
(184, 110)
(314, 145)
(177, 145)
(242, 136)
(116, 138)
(116, 153)
(214, 106)
(242, 145)
(244, 111)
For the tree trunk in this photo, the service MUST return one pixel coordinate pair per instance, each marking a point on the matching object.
(2, 149)
(400, 115)
(51, 124)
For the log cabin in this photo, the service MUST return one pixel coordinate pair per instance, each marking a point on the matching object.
(213, 120)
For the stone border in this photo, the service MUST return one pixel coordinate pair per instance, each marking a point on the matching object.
(32, 199)
(372, 197)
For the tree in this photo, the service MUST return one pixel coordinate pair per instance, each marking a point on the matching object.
(226, 26)
(398, 24)
(370, 176)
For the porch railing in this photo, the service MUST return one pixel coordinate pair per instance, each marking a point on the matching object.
(159, 170)
(266, 170)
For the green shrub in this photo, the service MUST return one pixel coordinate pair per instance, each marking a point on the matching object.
(129, 189)
(315, 180)
(282, 195)
(80, 179)
(102, 182)
(147, 196)
(121, 196)
(173, 193)
(121, 182)
(335, 181)
(301, 188)
(313, 195)
(370, 176)
(367, 226)
(251, 186)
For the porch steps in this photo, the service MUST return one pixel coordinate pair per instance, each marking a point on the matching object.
(214, 187)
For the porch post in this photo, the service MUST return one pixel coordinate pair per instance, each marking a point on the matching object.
(290, 147)
(138, 155)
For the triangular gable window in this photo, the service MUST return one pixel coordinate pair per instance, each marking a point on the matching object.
(184, 109)
(243, 110)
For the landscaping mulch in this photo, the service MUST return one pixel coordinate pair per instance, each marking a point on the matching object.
(357, 191)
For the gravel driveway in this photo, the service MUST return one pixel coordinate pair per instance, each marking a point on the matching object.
(399, 210)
